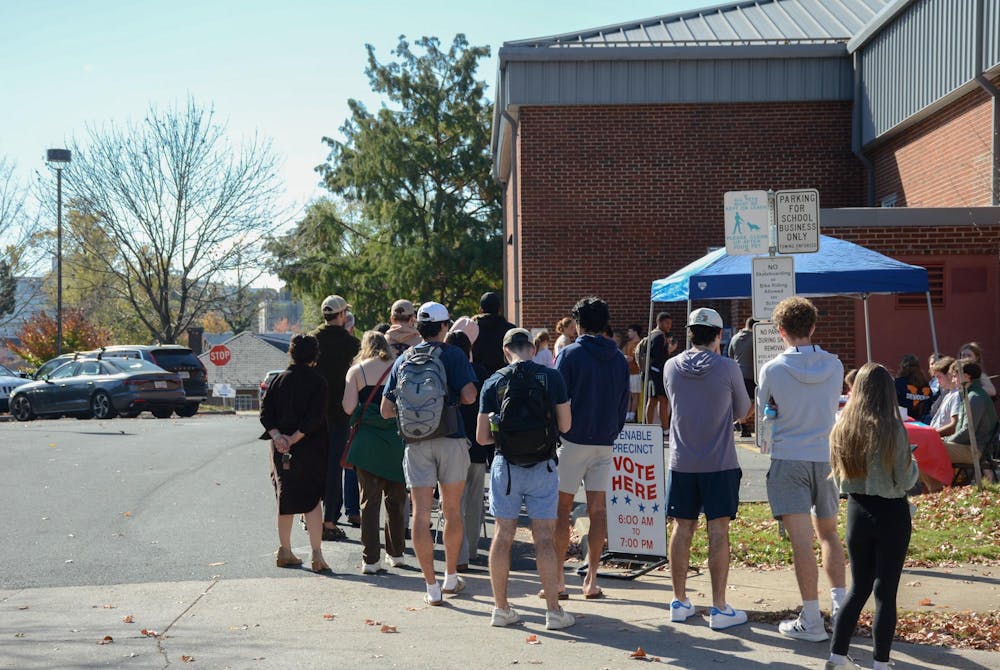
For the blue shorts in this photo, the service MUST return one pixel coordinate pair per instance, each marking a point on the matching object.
(537, 486)
(717, 494)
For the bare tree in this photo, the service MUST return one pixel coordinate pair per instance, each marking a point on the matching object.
(19, 236)
(183, 205)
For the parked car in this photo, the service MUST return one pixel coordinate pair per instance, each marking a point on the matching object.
(173, 358)
(50, 365)
(9, 380)
(92, 387)
(266, 382)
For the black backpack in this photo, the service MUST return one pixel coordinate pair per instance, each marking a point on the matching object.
(527, 433)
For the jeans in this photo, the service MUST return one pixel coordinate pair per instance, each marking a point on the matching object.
(352, 499)
(472, 511)
(878, 535)
(333, 499)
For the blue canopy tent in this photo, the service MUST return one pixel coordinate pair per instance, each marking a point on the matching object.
(839, 268)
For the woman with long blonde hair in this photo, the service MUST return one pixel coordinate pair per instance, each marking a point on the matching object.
(871, 461)
(376, 452)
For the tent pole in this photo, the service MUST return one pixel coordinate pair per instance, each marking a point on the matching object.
(688, 333)
(645, 372)
(930, 313)
(868, 334)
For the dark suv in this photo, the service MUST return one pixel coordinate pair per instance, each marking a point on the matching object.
(174, 358)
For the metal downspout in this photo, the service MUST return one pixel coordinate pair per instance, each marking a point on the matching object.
(514, 222)
(856, 136)
(993, 92)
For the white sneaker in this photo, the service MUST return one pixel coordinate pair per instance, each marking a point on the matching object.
(396, 561)
(727, 618)
(505, 617)
(681, 611)
(802, 630)
(370, 568)
(846, 665)
(558, 619)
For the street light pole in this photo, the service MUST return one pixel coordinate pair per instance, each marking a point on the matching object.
(59, 158)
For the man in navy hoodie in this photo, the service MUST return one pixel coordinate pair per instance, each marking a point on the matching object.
(596, 377)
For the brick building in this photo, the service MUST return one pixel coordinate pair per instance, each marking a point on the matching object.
(615, 147)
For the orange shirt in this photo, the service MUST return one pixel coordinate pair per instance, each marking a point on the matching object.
(629, 351)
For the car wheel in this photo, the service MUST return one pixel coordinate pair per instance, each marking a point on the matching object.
(101, 407)
(189, 409)
(20, 407)
(162, 413)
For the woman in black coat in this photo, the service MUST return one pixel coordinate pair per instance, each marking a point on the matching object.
(293, 413)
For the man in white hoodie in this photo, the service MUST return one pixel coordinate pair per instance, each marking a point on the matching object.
(803, 384)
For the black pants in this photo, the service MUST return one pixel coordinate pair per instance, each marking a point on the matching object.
(878, 535)
(333, 499)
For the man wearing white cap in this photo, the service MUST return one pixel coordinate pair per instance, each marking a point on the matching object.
(436, 459)
(337, 349)
(706, 391)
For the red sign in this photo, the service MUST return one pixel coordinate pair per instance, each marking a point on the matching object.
(220, 354)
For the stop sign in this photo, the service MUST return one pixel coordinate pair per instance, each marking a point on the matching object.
(220, 354)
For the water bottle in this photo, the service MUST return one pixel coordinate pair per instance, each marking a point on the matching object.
(767, 428)
(494, 422)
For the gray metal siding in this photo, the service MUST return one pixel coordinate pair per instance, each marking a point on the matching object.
(991, 34)
(690, 81)
(923, 55)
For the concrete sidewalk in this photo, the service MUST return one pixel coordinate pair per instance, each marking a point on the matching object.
(279, 622)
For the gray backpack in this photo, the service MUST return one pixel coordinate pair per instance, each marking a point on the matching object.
(421, 395)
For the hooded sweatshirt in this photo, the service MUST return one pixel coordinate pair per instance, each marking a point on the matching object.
(596, 375)
(804, 385)
(706, 393)
(402, 336)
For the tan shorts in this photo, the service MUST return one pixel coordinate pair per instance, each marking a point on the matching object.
(440, 459)
(587, 463)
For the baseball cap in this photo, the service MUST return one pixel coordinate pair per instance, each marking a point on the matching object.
(490, 302)
(517, 336)
(402, 308)
(432, 312)
(333, 304)
(704, 316)
(464, 324)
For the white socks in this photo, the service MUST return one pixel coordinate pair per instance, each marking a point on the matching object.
(450, 581)
(810, 611)
(837, 596)
(837, 659)
(434, 591)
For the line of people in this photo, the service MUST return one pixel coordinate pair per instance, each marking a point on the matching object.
(553, 430)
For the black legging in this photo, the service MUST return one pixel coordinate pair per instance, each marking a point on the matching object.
(878, 535)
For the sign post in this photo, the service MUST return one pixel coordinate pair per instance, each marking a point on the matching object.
(772, 280)
(636, 502)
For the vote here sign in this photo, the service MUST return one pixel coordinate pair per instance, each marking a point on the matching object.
(637, 499)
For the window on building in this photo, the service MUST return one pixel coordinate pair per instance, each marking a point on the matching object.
(889, 200)
(935, 281)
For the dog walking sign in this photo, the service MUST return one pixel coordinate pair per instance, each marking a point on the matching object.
(748, 223)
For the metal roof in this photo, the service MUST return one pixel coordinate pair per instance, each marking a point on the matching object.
(734, 23)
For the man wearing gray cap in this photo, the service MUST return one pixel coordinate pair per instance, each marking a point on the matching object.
(706, 391)
(442, 377)
(337, 349)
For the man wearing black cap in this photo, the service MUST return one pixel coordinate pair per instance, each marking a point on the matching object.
(487, 350)
(337, 349)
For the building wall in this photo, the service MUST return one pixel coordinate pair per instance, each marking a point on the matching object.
(612, 197)
(251, 359)
(941, 161)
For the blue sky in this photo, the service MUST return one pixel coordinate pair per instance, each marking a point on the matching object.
(283, 69)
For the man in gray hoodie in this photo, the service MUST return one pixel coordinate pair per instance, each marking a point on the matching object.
(706, 393)
(803, 384)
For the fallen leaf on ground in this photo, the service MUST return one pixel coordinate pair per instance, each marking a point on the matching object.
(217, 564)
(532, 639)
(372, 622)
(23, 607)
(916, 583)
(128, 619)
(148, 633)
(126, 514)
(329, 617)
(926, 602)
(107, 639)
(413, 609)
(107, 606)
(19, 635)
(638, 653)
(187, 659)
(386, 628)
